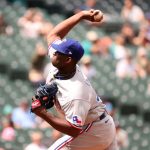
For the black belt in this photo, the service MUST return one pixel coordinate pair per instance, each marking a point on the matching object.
(102, 116)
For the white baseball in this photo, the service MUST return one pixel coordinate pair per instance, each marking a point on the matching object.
(98, 16)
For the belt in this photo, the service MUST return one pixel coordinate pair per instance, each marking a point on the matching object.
(103, 116)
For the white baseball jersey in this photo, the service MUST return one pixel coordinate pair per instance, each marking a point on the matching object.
(82, 108)
(78, 99)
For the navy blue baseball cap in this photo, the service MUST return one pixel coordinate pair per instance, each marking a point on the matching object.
(69, 47)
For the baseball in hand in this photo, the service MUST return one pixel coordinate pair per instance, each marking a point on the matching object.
(98, 16)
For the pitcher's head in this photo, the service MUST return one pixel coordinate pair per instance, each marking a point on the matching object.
(66, 52)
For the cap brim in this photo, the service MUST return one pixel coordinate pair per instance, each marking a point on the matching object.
(58, 48)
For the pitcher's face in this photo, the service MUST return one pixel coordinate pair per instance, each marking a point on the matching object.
(59, 60)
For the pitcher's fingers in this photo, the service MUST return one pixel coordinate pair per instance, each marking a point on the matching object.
(92, 10)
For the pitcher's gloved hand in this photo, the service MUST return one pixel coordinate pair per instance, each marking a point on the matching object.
(44, 96)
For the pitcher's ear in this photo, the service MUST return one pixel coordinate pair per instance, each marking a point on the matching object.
(69, 59)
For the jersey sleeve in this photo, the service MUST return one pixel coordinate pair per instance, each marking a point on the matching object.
(76, 112)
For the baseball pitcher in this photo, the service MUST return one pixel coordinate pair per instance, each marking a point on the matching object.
(85, 122)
